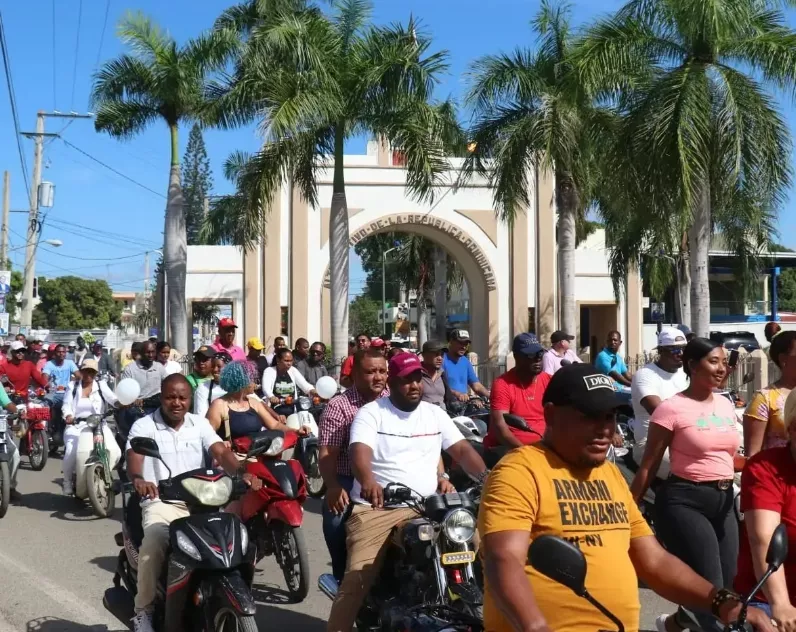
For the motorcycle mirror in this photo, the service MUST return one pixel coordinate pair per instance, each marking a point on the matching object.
(777, 547)
(559, 560)
(145, 446)
(515, 421)
(262, 441)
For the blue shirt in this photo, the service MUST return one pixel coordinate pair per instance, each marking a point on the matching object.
(60, 375)
(607, 361)
(460, 374)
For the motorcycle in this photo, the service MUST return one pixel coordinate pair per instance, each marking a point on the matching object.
(307, 449)
(273, 514)
(34, 430)
(5, 462)
(427, 580)
(98, 454)
(563, 562)
(474, 408)
(210, 565)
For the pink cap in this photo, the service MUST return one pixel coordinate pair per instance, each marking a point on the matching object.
(377, 342)
(403, 364)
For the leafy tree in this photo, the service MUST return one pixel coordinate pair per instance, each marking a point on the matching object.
(694, 80)
(364, 316)
(160, 81)
(197, 184)
(313, 80)
(72, 302)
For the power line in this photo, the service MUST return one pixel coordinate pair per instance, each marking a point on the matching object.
(135, 256)
(77, 49)
(116, 171)
(145, 243)
(97, 238)
(102, 35)
(13, 100)
(55, 104)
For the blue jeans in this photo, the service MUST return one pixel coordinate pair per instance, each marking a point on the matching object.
(762, 605)
(334, 530)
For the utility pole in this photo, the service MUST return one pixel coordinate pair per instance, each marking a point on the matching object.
(6, 211)
(146, 275)
(34, 226)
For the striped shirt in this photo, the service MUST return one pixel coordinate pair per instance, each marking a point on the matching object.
(335, 424)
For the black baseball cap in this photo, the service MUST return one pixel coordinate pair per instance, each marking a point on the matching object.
(558, 336)
(205, 352)
(460, 335)
(432, 346)
(583, 387)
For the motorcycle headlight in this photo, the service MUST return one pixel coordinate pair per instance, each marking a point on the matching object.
(459, 526)
(188, 547)
(209, 493)
(276, 447)
(93, 421)
(304, 403)
(244, 538)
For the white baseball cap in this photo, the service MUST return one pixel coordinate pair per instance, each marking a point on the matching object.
(17, 344)
(671, 337)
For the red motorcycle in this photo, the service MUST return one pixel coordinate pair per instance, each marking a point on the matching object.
(273, 514)
(34, 440)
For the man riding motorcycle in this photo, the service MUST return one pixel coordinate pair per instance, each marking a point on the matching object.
(149, 375)
(59, 372)
(183, 439)
(393, 439)
(21, 372)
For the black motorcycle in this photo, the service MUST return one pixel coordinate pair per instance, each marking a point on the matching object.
(427, 581)
(207, 581)
(5, 461)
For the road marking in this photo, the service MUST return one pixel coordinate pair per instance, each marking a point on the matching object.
(78, 610)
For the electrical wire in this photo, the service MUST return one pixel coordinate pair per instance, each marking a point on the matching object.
(77, 50)
(116, 171)
(102, 34)
(107, 233)
(55, 67)
(96, 237)
(13, 100)
(135, 256)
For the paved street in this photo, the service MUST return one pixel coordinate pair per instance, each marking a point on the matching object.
(56, 560)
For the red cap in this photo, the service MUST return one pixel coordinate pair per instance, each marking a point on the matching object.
(403, 364)
(377, 343)
(224, 323)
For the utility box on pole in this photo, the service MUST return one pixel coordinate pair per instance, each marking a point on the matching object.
(46, 194)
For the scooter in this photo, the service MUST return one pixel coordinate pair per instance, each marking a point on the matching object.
(34, 441)
(210, 565)
(98, 454)
(563, 562)
(307, 451)
(5, 462)
(273, 514)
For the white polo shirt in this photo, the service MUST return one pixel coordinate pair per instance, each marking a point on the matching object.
(182, 450)
(406, 445)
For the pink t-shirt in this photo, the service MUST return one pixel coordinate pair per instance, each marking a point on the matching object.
(235, 352)
(705, 436)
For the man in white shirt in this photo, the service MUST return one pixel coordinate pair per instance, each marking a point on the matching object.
(183, 439)
(654, 383)
(395, 439)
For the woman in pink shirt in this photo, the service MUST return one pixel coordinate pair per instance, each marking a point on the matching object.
(694, 515)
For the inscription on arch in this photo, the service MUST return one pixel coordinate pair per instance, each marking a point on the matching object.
(394, 222)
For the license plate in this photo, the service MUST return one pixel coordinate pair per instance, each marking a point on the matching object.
(461, 557)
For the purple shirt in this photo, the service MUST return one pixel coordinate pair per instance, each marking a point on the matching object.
(551, 361)
(235, 352)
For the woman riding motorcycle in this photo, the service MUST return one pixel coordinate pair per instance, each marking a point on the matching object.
(282, 381)
(210, 390)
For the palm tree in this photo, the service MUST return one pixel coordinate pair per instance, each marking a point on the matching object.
(160, 81)
(692, 79)
(313, 81)
(530, 112)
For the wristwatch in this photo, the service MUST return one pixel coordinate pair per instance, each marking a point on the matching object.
(721, 597)
(444, 475)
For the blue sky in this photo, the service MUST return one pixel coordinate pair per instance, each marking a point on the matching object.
(52, 61)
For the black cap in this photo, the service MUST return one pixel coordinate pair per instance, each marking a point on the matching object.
(558, 336)
(583, 387)
(205, 352)
(460, 335)
(432, 346)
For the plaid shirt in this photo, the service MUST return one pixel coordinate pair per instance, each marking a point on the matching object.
(335, 424)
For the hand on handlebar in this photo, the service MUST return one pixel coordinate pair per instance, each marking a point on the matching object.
(145, 489)
(252, 481)
(69, 419)
(274, 401)
(463, 397)
(444, 486)
(758, 619)
(304, 431)
(785, 616)
(373, 493)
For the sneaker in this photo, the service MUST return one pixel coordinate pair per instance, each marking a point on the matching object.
(142, 622)
(660, 623)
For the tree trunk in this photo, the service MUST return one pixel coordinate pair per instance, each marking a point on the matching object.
(698, 246)
(338, 253)
(440, 293)
(567, 204)
(175, 254)
(682, 295)
(422, 321)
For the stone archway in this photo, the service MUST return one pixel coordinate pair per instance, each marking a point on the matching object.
(476, 265)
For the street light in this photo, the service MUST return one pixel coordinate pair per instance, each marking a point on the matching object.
(55, 243)
(384, 288)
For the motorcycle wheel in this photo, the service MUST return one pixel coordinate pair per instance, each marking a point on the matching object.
(38, 450)
(229, 621)
(294, 562)
(315, 485)
(102, 499)
(5, 487)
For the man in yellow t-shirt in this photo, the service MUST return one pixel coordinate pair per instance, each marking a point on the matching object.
(564, 487)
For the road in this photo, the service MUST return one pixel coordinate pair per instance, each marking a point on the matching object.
(56, 560)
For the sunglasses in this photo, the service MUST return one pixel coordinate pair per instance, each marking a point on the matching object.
(674, 350)
(316, 352)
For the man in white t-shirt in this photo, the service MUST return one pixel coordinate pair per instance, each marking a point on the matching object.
(654, 383)
(395, 439)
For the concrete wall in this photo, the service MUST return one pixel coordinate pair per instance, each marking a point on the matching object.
(215, 273)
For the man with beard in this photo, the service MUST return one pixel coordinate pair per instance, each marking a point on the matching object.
(397, 438)
(312, 367)
(149, 375)
(370, 381)
(563, 486)
(183, 439)
(519, 392)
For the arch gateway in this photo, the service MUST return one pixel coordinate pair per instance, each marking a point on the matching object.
(510, 270)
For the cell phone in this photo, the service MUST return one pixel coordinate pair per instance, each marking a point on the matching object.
(733, 358)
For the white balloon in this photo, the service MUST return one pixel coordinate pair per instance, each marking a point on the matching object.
(127, 391)
(326, 387)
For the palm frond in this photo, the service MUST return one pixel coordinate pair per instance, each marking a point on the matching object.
(125, 119)
(123, 77)
(146, 38)
(510, 77)
(350, 17)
